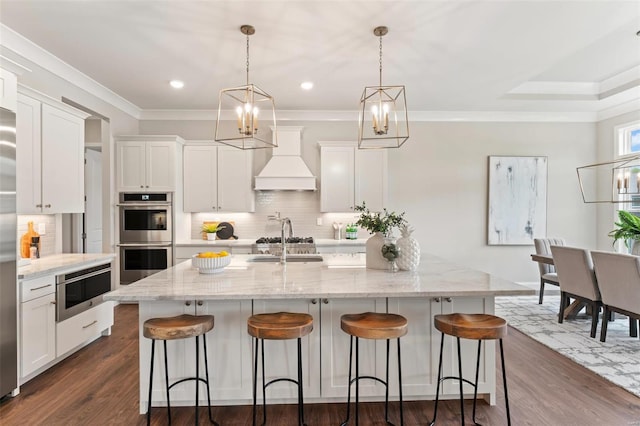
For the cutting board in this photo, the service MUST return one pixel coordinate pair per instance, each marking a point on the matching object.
(204, 234)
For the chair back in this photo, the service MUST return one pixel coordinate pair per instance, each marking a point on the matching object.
(618, 279)
(543, 246)
(575, 271)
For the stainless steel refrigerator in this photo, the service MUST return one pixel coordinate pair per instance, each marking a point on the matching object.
(8, 250)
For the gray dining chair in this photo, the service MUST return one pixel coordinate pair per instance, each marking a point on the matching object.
(577, 280)
(548, 273)
(619, 282)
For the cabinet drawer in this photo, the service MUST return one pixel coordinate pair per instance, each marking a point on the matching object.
(82, 327)
(37, 287)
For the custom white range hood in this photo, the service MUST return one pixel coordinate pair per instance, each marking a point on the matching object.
(286, 171)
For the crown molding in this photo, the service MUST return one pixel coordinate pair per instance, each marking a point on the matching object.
(30, 51)
(14, 67)
(614, 111)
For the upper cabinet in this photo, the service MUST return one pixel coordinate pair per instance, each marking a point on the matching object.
(350, 176)
(8, 90)
(218, 179)
(49, 155)
(147, 163)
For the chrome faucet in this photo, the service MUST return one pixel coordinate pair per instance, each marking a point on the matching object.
(285, 221)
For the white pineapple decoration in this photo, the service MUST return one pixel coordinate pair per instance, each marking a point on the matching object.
(409, 249)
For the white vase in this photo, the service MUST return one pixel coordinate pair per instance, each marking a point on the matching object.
(211, 236)
(374, 252)
(409, 249)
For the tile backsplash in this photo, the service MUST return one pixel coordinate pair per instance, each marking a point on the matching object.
(48, 240)
(302, 207)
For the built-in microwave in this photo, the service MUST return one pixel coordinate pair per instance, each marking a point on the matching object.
(81, 290)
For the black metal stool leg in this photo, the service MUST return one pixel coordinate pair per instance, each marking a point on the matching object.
(300, 386)
(197, 377)
(435, 410)
(475, 386)
(461, 380)
(264, 387)
(386, 387)
(504, 382)
(349, 383)
(357, 377)
(255, 380)
(166, 377)
(400, 383)
(153, 346)
(206, 372)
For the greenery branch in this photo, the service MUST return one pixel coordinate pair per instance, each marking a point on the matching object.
(211, 228)
(383, 222)
(627, 229)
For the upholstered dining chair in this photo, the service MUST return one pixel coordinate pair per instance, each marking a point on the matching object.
(577, 280)
(619, 282)
(548, 273)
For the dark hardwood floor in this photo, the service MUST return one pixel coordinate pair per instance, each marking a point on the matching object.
(99, 386)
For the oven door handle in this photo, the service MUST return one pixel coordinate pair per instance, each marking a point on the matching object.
(145, 245)
(145, 205)
(60, 278)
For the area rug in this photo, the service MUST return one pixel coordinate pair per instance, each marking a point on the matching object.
(617, 359)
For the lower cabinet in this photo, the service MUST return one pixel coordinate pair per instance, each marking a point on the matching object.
(38, 333)
(80, 328)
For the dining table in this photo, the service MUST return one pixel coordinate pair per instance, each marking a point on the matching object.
(576, 306)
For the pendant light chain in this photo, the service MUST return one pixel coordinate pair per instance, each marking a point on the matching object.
(247, 59)
(380, 60)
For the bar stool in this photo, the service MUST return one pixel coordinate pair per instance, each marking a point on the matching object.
(370, 325)
(477, 327)
(173, 328)
(278, 326)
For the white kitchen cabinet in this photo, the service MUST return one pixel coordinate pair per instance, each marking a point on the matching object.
(83, 327)
(350, 176)
(217, 178)
(228, 349)
(49, 155)
(8, 90)
(334, 365)
(148, 163)
(37, 324)
(281, 359)
(420, 373)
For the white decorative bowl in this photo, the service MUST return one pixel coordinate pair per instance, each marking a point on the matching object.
(210, 265)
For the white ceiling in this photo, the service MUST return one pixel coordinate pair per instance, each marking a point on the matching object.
(513, 56)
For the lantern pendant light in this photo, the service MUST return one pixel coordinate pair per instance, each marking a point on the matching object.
(383, 120)
(246, 102)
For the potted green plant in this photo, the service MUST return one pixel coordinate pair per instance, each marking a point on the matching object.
(210, 229)
(628, 230)
(381, 225)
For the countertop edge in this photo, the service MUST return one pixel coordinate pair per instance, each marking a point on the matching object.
(62, 262)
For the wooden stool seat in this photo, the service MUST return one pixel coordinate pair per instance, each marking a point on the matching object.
(280, 325)
(371, 325)
(179, 327)
(472, 326)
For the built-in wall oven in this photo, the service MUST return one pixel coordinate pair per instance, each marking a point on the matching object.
(81, 290)
(146, 234)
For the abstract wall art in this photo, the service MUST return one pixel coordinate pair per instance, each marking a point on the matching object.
(517, 200)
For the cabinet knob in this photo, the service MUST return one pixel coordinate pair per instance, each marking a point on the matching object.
(141, 186)
(325, 301)
(53, 302)
(147, 186)
(39, 205)
(188, 303)
(448, 299)
(436, 299)
(47, 206)
(200, 302)
(314, 301)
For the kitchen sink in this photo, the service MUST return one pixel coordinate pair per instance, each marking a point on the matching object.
(291, 258)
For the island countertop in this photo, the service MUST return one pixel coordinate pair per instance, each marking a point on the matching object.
(338, 276)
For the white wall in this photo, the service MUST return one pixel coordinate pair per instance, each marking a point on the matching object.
(439, 178)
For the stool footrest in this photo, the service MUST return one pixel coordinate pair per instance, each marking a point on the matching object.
(367, 377)
(188, 379)
(457, 378)
(281, 379)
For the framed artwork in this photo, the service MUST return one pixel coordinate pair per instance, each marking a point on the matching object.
(517, 200)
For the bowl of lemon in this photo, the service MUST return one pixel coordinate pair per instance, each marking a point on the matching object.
(210, 262)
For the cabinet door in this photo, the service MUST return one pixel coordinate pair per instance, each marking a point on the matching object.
(200, 180)
(28, 156)
(281, 359)
(8, 90)
(234, 180)
(160, 166)
(62, 161)
(371, 178)
(37, 333)
(337, 179)
(335, 355)
(229, 349)
(130, 166)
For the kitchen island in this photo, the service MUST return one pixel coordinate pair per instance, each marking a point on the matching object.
(339, 284)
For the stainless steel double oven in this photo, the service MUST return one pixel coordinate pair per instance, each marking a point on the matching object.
(146, 234)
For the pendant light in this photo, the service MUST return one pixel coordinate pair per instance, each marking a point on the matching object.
(246, 102)
(383, 120)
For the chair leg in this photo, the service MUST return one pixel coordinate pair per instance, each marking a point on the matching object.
(400, 383)
(541, 292)
(460, 380)
(357, 376)
(563, 305)
(475, 386)
(264, 387)
(153, 347)
(386, 387)
(346, 422)
(255, 380)
(504, 382)
(435, 409)
(595, 310)
(300, 386)
(197, 377)
(166, 378)
(633, 327)
(206, 371)
(605, 323)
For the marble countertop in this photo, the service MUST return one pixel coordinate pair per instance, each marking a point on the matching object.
(338, 276)
(62, 262)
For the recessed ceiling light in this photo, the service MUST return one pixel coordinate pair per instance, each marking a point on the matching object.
(177, 84)
(307, 85)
